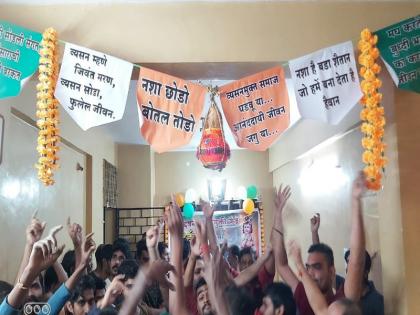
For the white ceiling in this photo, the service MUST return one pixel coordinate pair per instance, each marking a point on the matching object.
(127, 130)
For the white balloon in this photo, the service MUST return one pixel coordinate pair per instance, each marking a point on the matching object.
(241, 193)
(190, 195)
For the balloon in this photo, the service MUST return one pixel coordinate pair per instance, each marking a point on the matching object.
(248, 206)
(179, 199)
(251, 192)
(188, 212)
(190, 195)
(241, 193)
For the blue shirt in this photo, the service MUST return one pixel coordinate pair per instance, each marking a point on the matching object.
(55, 302)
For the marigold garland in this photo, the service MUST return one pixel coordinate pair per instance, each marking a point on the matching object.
(372, 113)
(47, 108)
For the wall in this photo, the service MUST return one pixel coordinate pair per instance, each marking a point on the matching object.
(94, 142)
(134, 176)
(407, 113)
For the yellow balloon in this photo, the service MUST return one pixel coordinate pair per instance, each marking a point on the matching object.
(248, 206)
(179, 199)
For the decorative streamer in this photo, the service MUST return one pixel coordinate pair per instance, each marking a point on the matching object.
(47, 108)
(372, 113)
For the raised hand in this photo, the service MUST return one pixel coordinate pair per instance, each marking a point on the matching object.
(88, 247)
(34, 230)
(45, 252)
(315, 222)
(281, 197)
(295, 254)
(75, 232)
(208, 210)
(195, 244)
(115, 289)
(152, 236)
(201, 232)
(359, 186)
(174, 220)
(157, 272)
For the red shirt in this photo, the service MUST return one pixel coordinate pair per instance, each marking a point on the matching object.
(191, 300)
(302, 302)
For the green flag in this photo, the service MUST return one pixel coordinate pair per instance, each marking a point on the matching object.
(19, 57)
(399, 45)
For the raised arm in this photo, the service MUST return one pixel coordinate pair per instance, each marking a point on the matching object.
(177, 303)
(315, 297)
(355, 268)
(189, 270)
(44, 254)
(282, 264)
(315, 222)
(252, 271)
(152, 240)
(33, 234)
(208, 211)
(75, 232)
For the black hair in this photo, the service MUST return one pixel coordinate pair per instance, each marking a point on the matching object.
(140, 246)
(186, 249)
(85, 283)
(104, 251)
(121, 244)
(350, 307)
(234, 250)
(246, 251)
(69, 262)
(100, 284)
(5, 289)
(240, 302)
(325, 250)
(368, 260)
(128, 268)
(281, 294)
(108, 311)
(161, 248)
(50, 279)
(200, 282)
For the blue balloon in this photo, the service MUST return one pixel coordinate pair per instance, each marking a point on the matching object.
(188, 211)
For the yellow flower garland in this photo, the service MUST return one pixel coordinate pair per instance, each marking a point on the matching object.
(47, 108)
(372, 113)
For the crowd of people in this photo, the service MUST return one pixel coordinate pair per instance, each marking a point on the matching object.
(196, 277)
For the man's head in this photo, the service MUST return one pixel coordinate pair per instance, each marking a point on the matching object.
(186, 250)
(368, 264)
(240, 302)
(5, 289)
(203, 301)
(36, 290)
(142, 253)
(103, 257)
(278, 300)
(320, 266)
(69, 262)
(344, 307)
(198, 270)
(233, 256)
(163, 251)
(120, 252)
(99, 289)
(129, 269)
(246, 258)
(82, 299)
(51, 280)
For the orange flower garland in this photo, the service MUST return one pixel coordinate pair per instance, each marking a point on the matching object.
(372, 113)
(47, 108)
